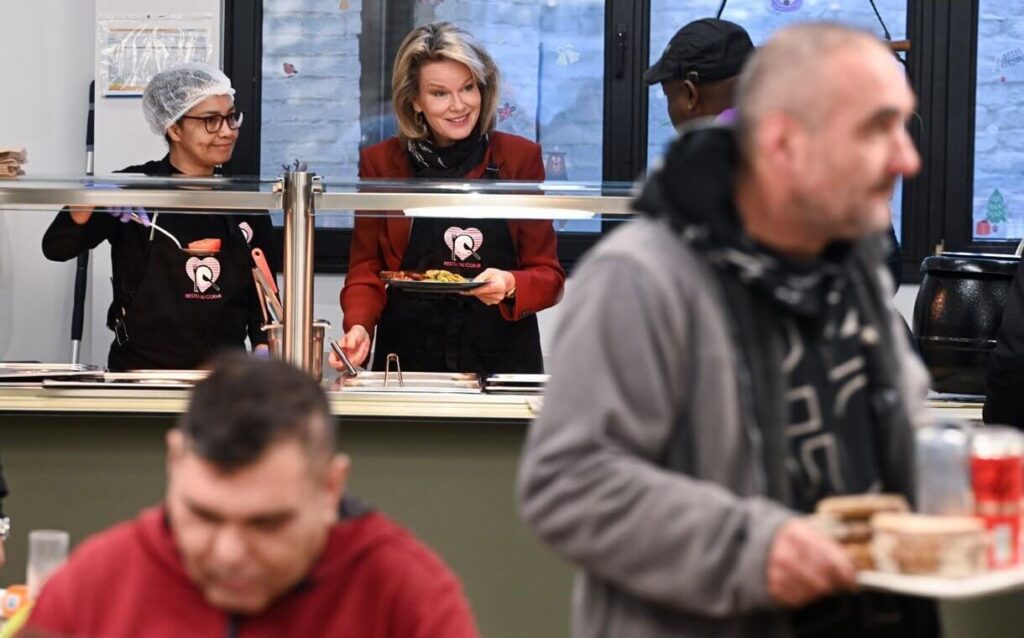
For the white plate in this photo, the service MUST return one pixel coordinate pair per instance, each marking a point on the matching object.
(987, 584)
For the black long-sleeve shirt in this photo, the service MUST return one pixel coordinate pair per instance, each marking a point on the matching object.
(131, 250)
(1004, 400)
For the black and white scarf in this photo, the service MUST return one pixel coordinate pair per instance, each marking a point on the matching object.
(812, 339)
(432, 161)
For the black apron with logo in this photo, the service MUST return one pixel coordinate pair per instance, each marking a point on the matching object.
(436, 332)
(184, 308)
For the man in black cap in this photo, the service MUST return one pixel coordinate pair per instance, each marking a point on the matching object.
(698, 69)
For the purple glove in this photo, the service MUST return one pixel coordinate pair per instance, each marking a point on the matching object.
(124, 213)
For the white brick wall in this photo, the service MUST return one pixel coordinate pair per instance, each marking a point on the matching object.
(312, 114)
(551, 54)
(999, 145)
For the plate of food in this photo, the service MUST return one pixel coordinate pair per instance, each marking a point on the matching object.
(429, 281)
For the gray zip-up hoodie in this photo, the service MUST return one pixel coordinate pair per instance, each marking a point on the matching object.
(643, 352)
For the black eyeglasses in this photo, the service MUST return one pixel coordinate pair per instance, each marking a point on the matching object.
(215, 121)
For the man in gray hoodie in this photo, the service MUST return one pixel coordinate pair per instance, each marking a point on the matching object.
(731, 357)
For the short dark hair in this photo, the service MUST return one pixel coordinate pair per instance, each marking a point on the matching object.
(247, 404)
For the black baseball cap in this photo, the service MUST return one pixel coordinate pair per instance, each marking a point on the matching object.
(705, 50)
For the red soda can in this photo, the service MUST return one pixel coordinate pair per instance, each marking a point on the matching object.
(997, 476)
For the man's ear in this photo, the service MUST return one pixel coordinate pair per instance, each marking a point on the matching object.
(336, 479)
(176, 448)
(691, 94)
(779, 142)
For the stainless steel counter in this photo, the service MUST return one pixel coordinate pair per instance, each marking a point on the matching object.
(962, 410)
(36, 398)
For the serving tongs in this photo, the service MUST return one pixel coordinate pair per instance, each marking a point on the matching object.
(350, 369)
(398, 367)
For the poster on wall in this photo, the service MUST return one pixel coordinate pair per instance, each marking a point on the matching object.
(133, 48)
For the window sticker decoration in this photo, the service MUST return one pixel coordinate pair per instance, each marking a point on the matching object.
(786, 6)
(567, 55)
(995, 214)
(506, 111)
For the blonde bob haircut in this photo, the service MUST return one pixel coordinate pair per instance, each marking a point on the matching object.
(434, 43)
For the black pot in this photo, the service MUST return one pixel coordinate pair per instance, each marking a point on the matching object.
(957, 314)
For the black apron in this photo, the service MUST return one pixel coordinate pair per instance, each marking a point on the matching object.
(184, 308)
(435, 332)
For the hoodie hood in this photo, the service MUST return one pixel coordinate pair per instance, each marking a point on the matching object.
(348, 542)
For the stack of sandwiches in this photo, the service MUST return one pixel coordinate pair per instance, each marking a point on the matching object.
(11, 160)
(879, 533)
(847, 519)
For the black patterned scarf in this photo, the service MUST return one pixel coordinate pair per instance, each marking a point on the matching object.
(432, 161)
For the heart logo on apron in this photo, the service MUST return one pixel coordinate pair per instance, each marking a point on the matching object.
(203, 273)
(247, 231)
(463, 243)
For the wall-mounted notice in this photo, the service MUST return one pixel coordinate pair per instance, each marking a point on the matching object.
(133, 48)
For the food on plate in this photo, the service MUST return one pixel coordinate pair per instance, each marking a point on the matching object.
(861, 507)
(438, 276)
(847, 519)
(944, 546)
(205, 245)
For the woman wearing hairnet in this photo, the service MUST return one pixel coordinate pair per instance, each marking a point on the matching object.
(172, 309)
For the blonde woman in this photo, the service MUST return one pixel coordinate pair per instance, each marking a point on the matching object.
(445, 94)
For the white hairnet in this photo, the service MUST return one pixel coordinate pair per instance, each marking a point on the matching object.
(172, 92)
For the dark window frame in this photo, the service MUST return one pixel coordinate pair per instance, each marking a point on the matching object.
(942, 219)
(243, 37)
(942, 64)
(962, 100)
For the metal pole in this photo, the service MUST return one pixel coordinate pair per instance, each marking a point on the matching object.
(298, 268)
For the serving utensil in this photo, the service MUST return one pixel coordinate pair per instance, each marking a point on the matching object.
(195, 252)
(338, 350)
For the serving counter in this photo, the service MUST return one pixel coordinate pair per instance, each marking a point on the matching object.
(32, 398)
(443, 464)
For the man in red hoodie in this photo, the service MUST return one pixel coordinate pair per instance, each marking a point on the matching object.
(249, 541)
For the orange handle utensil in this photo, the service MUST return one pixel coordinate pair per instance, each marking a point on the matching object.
(261, 263)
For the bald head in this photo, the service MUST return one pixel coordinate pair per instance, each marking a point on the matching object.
(795, 73)
(822, 126)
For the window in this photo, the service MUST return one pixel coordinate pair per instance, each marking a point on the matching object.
(316, 76)
(998, 197)
(761, 18)
(326, 80)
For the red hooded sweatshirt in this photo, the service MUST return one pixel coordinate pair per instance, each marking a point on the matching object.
(374, 580)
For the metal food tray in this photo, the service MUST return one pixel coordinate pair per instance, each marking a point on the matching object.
(20, 372)
(516, 383)
(57, 384)
(163, 377)
(521, 379)
(458, 382)
(513, 389)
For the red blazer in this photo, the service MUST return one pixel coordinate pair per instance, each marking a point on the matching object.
(379, 243)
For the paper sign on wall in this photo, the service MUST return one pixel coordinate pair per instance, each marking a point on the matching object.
(134, 48)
